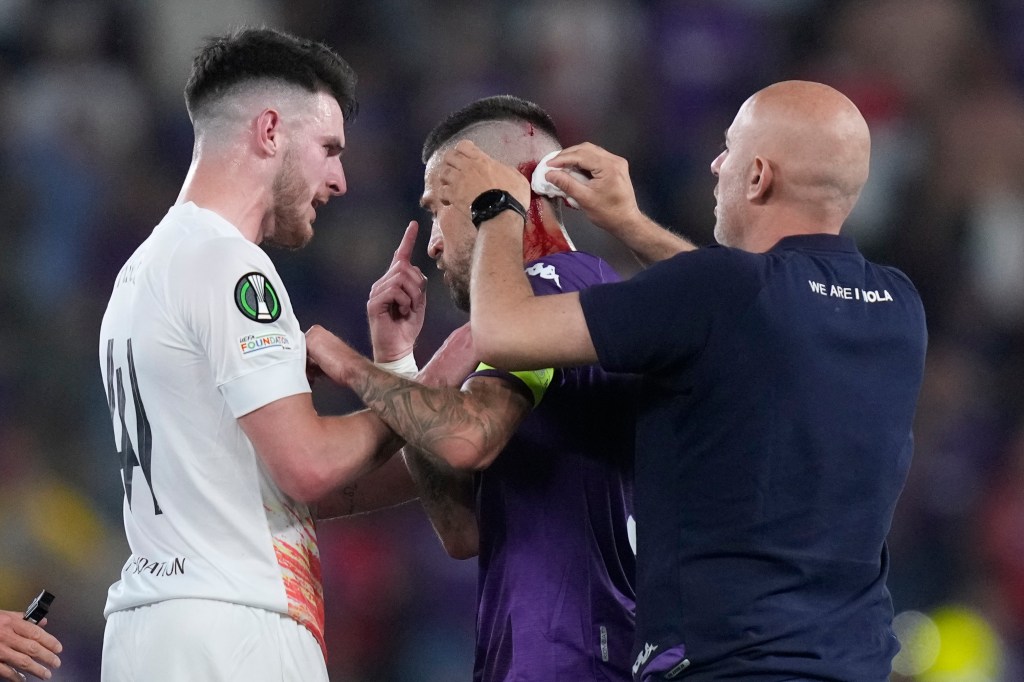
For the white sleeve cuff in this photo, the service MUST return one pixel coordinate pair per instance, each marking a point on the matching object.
(254, 390)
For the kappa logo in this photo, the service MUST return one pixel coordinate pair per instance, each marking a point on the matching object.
(644, 656)
(544, 272)
(257, 299)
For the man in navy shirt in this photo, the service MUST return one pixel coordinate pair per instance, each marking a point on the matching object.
(781, 372)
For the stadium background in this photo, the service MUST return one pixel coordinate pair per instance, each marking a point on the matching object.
(96, 142)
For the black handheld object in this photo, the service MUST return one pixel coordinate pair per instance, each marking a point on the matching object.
(39, 607)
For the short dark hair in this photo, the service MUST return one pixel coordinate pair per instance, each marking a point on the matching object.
(257, 53)
(495, 108)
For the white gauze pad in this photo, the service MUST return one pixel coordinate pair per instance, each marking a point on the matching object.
(541, 186)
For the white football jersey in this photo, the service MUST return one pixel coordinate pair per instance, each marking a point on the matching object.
(199, 331)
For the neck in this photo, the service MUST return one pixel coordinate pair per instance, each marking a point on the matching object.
(544, 233)
(229, 190)
(773, 226)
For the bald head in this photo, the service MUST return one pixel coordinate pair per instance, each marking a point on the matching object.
(795, 160)
(817, 139)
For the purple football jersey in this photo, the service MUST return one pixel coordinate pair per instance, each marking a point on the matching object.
(556, 582)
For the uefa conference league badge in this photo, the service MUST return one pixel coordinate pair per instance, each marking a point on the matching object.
(256, 298)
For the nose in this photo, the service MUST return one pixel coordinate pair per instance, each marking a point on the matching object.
(336, 178)
(717, 164)
(435, 246)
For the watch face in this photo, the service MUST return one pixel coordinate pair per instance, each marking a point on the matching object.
(491, 203)
(487, 205)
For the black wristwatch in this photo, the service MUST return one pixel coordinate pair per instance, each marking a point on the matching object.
(491, 203)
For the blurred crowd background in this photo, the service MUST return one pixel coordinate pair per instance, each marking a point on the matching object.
(96, 143)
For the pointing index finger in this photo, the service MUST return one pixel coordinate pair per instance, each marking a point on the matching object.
(405, 247)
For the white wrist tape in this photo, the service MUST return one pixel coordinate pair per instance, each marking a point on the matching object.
(403, 367)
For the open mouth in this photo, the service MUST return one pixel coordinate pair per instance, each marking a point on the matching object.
(316, 203)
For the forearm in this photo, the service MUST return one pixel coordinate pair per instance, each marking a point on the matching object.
(387, 486)
(443, 422)
(649, 241)
(356, 444)
(447, 498)
(308, 456)
(512, 328)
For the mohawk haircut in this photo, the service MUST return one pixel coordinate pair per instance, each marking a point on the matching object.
(496, 108)
(250, 54)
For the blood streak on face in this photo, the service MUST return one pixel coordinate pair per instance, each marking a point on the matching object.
(539, 241)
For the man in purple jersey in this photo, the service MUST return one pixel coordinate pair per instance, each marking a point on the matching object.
(530, 471)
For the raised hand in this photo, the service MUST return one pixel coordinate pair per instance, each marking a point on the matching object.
(397, 303)
(608, 200)
(607, 197)
(467, 171)
(327, 354)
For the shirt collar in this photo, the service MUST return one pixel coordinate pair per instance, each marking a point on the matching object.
(817, 242)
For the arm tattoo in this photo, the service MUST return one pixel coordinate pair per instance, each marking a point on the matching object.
(446, 494)
(428, 417)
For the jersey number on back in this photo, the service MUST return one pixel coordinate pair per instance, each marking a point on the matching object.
(143, 440)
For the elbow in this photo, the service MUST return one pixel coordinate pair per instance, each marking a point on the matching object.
(461, 546)
(461, 552)
(465, 456)
(303, 488)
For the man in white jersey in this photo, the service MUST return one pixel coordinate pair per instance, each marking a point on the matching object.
(221, 451)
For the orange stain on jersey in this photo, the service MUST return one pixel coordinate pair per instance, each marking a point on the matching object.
(300, 571)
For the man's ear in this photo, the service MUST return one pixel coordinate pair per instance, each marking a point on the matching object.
(268, 132)
(759, 185)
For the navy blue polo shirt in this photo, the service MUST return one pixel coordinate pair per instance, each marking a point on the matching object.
(773, 440)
